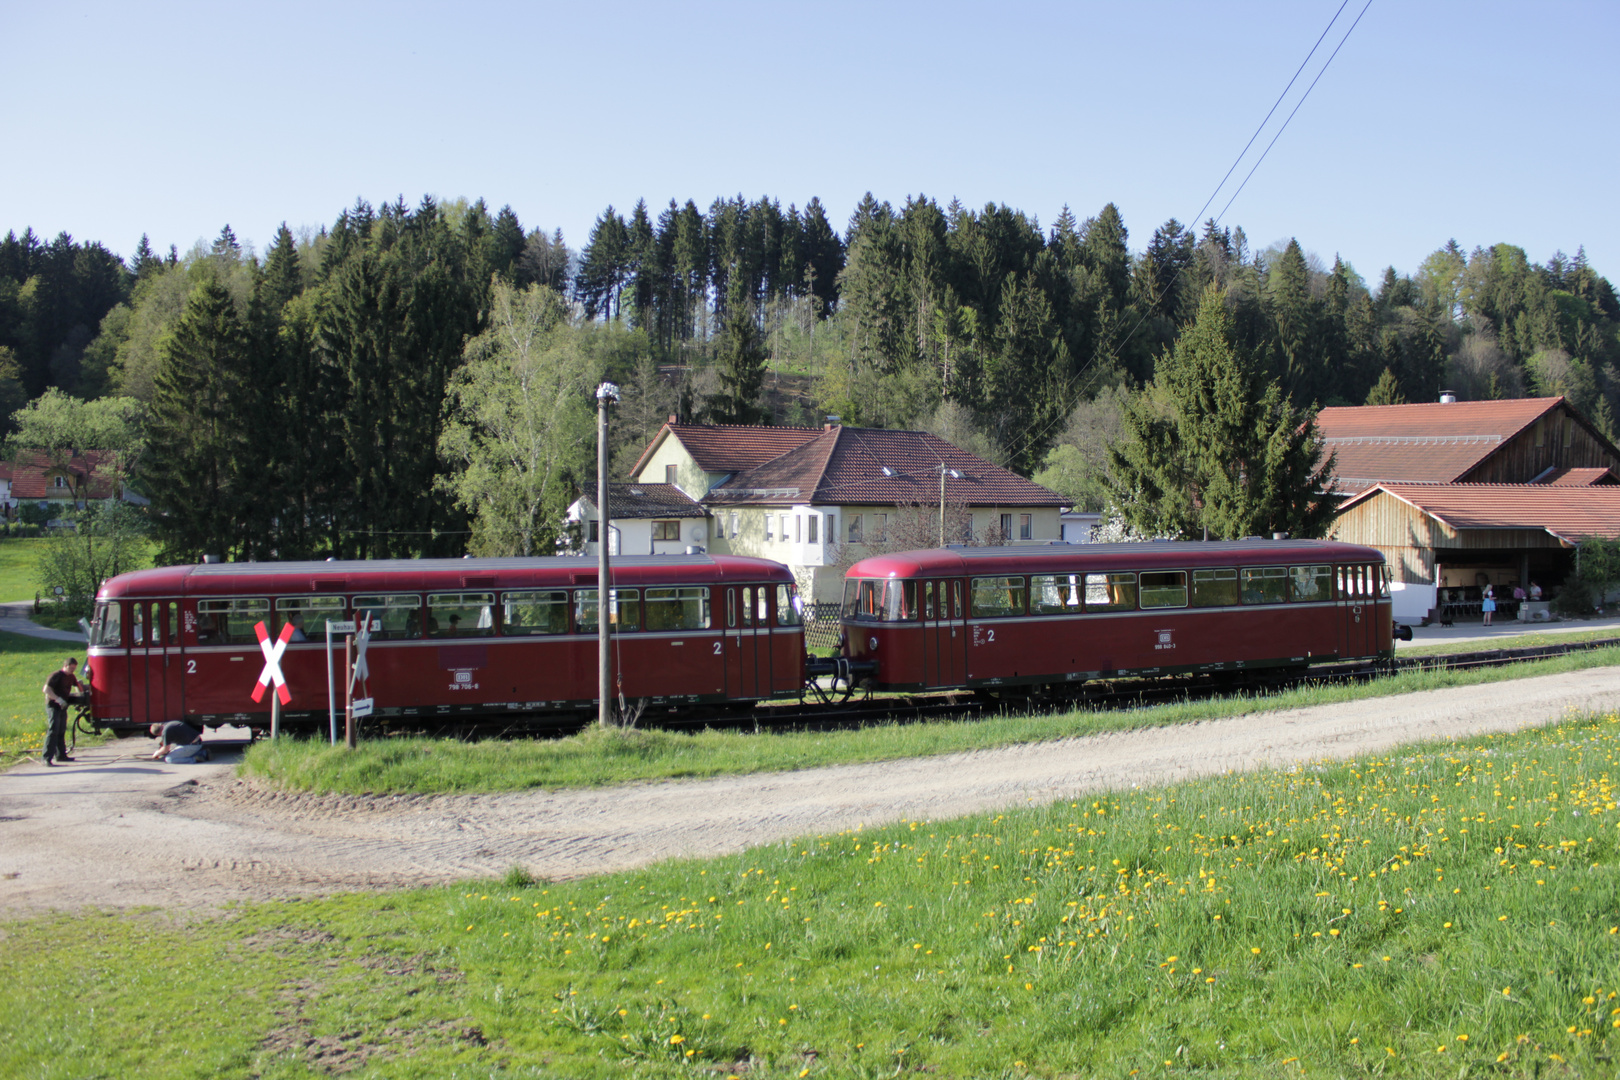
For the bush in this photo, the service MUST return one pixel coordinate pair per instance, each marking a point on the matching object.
(108, 540)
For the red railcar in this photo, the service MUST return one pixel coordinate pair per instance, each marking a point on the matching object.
(451, 637)
(1063, 614)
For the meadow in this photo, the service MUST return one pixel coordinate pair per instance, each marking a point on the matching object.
(1438, 911)
(19, 568)
(25, 663)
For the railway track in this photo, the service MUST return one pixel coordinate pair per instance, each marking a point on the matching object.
(867, 710)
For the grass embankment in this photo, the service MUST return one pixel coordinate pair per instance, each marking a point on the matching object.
(1517, 641)
(1447, 910)
(595, 758)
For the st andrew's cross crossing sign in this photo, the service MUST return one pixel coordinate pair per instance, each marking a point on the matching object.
(272, 662)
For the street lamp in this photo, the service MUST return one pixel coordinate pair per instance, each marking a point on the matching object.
(606, 394)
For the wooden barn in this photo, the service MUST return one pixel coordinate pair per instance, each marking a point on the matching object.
(1461, 494)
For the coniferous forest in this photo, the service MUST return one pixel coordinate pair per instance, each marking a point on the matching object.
(415, 380)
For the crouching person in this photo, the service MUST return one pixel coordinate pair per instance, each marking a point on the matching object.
(178, 743)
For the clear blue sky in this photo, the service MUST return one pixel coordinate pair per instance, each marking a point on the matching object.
(1482, 121)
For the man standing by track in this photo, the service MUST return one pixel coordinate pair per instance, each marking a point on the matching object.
(58, 688)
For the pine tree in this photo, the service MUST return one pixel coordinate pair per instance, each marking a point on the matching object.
(145, 262)
(1213, 445)
(1387, 391)
(740, 359)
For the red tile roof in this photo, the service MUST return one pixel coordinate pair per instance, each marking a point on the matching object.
(872, 466)
(1580, 477)
(1432, 441)
(729, 447)
(634, 500)
(1565, 512)
(91, 474)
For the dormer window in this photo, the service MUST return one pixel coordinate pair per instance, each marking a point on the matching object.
(61, 482)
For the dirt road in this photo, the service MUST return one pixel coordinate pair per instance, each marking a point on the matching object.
(112, 830)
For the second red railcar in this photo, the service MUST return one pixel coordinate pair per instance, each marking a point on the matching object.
(1060, 615)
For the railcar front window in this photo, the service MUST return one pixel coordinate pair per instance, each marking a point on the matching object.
(308, 614)
(1383, 582)
(393, 616)
(1054, 594)
(1265, 584)
(1111, 592)
(105, 629)
(535, 612)
(1214, 588)
(624, 610)
(1308, 583)
(678, 609)
(788, 606)
(1163, 589)
(863, 599)
(230, 622)
(991, 597)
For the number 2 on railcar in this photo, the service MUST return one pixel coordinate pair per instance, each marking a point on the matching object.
(449, 637)
(1060, 615)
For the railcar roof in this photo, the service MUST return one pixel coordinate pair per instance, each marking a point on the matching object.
(415, 574)
(936, 562)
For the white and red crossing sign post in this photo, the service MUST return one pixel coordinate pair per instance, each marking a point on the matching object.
(272, 672)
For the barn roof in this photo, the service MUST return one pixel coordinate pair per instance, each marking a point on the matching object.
(1429, 442)
(1578, 477)
(1568, 513)
(872, 466)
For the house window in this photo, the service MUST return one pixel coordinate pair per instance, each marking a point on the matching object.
(1006, 527)
(719, 527)
(769, 528)
(1026, 527)
(734, 524)
(784, 528)
(595, 525)
(810, 529)
(855, 528)
(61, 481)
(666, 530)
(669, 474)
(880, 528)
(967, 528)
(798, 529)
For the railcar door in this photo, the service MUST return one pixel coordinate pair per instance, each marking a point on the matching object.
(741, 641)
(1358, 630)
(148, 682)
(944, 631)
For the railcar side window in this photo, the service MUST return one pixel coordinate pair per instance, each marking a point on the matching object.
(1311, 582)
(1214, 588)
(996, 596)
(137, 624)
(308, 614)
(106, 628)
(788, 611)
(1111, 592)
(678, 609)
(535, 612)
(762, 598)
(624, 610)
(1383, 582)
(230, 622)
(1265, 584)
(399, 614)
(463, 614)
(1054, 594)
(1163, 588)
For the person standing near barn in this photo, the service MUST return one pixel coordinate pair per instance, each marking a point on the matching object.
(58, 688)
(1488, 604)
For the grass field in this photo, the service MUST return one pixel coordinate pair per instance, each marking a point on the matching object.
(19, 559)
(597, 758)
(25, 664)
(1439, 911)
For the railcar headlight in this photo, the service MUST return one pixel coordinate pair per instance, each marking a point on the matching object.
(872, 642)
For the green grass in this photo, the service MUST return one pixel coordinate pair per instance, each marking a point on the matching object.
(1439, 911)
(19, 562)
(597, 758)
(25, 664)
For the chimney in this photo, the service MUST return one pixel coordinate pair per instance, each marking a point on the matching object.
(832, 422)
(1447, 397)
(674, 419)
